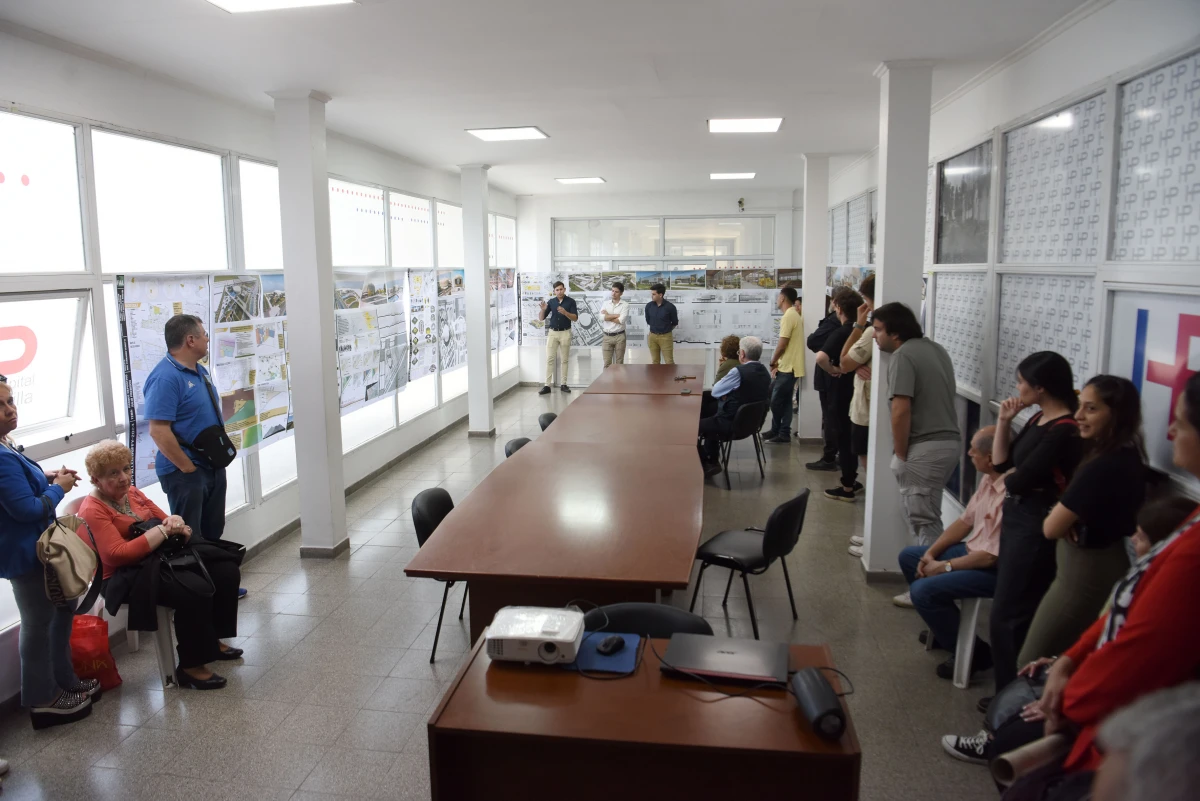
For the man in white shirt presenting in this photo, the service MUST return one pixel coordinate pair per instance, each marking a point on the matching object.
(613, 316)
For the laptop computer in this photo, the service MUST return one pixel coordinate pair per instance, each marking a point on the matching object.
(726, 659)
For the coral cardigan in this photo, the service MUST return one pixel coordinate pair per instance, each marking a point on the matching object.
(111, 529)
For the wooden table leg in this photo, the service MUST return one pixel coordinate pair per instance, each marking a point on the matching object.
(488, 597)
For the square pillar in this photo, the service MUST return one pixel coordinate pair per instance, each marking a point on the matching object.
(479, 313)
(308, 277)
(815, 242)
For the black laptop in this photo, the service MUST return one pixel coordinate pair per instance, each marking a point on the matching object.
(726, 659)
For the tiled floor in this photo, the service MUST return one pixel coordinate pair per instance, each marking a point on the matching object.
(336, 684)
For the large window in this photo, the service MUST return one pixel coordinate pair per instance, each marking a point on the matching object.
(506, 242)
(262, 231)
(964, 197)
(450, 236)
(412, 231)
(40, 225)
(367, 423)
(356, 225)
(161, 207)
(721, 236)
(607, 239)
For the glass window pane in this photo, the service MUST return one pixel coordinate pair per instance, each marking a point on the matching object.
(39, 197)
(412, 231)
(262, 232)
(509, 358)
(418, 397)
(161, 207)
(116, 359)
(367, 423)
(506, 241)
(963, 199)
(235, 479)
(356, 225)
(277, 464)
(454, 383)
(611, 239)
(491, 240)
(450, 236)
(721, 236)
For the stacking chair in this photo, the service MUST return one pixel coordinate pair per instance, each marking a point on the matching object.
(964, 652)
(429, 509)
(746, 424)
(546, 418)
(650, 620)
(752, 550)
(515, 445)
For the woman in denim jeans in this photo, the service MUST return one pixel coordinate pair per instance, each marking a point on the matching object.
(49, 686)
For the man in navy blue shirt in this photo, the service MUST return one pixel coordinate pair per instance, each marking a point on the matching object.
(180, 403)
(558, 313)
(662, 318)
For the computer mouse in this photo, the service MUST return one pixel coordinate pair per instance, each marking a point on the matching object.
(610, 645)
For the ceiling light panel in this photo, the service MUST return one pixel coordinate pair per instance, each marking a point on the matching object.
(243, 6)
(595, 179)
(760, 125)
(508, 134)
(731, 176)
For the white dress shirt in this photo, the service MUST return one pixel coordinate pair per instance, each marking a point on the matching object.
(621, 310)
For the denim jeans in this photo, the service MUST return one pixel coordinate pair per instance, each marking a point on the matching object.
(781, 405)
(934, 596)
(199, 498)
(45, 641)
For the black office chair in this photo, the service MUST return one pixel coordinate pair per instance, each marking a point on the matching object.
(747, 422)
(429, 509)
(649, 620)
(515, 445)
(752, 550)
(546, 418)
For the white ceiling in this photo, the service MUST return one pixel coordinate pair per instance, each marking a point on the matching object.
(623, 87)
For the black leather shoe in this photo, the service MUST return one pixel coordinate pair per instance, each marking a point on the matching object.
(544, 391)
(230, 654)
(184, 680)
(565, 388)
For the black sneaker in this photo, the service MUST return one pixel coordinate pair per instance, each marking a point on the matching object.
(840, 494)
(821, 464)
(544, 390)
(923, 638)
(858, 487)
(711, 469)
(984, 703)
(67, 708)
(967, 749)
(564, 388)
(981, 659)
(779, 439)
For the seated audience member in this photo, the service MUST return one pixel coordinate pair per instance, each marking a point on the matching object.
(729, 360)
(841, 390)
(962, 562)
(1147, 641)
(1150, 749)
(118, 513)
(749, 382)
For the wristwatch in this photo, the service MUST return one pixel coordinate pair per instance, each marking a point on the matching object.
(860, 327)
(949, 566)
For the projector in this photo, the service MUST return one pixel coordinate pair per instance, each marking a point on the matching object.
(535, 634)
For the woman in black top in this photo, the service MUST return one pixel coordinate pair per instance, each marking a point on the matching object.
(1042, 459)
(1094, 516)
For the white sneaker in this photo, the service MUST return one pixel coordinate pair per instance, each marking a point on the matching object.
(903, 600)
(967, 749)
(856, 540)
(855, 550)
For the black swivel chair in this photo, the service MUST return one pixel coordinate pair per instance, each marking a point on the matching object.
(546, 418)
(747, 422)
(429, 509)
(752, 550)
(515, 445)
(649, 620)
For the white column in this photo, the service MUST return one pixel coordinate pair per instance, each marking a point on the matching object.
(815, 241)
(479, 313)
(904, 110)
(308, 274)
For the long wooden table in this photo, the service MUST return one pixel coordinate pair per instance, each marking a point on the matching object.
(648, 379)
(647, 420)
(513, 731)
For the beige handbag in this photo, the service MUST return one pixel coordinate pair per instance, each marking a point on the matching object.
(70, 565)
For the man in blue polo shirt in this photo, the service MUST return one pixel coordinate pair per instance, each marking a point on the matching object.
(181, 400)
(662, 319)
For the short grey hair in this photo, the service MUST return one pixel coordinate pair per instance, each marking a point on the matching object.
(752, 347)
(984, 439)
(1161, 735)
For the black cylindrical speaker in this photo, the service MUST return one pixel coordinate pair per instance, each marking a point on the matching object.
(819, 703)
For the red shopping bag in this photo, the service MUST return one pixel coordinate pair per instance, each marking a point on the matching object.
(90, 653)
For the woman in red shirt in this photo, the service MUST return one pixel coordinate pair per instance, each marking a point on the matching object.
(200, 618)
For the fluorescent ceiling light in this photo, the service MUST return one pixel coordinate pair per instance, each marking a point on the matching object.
(1063, 120)
(959, 170)
(595, 179)
(507, 134)
(730, 176)
(242, 6)
(765, 125)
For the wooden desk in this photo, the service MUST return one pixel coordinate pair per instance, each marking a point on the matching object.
(552, 524)
(513, 731)
(646, 420)
(647, 379)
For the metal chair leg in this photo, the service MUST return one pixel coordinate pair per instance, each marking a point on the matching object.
(463, 607)
(758, 456)
(788, 580)
(699, 578)
(750, 603)
(438, 631)
(725, 454)
(728, 584)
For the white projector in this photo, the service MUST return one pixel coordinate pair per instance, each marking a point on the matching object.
(535, 634)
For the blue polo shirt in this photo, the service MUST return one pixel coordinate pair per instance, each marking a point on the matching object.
(558, 322)
(183, 397)
(661, 319)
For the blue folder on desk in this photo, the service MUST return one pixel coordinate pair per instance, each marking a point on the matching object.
(592, 661)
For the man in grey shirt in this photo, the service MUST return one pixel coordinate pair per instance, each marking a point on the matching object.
(925, 432)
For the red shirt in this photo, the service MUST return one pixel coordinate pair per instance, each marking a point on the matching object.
(1158, 647)
(111, 529)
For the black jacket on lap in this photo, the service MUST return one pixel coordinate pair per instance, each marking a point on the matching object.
(137, 584)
